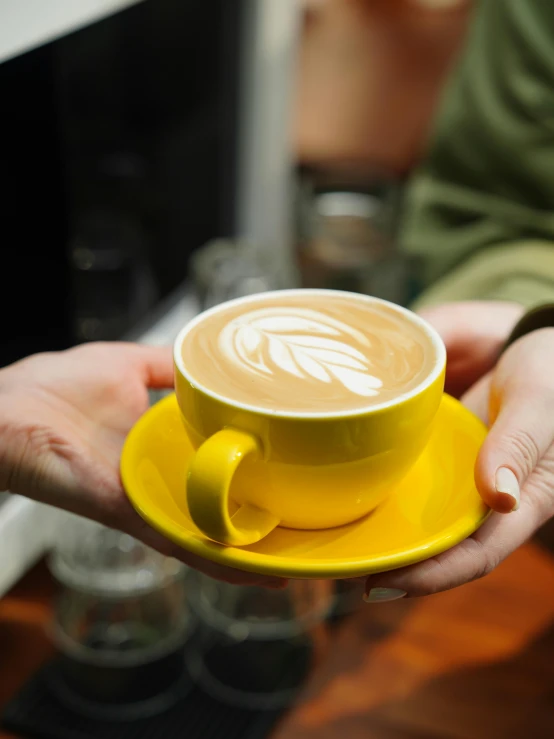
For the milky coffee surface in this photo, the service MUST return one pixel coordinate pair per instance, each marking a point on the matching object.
(308, 353)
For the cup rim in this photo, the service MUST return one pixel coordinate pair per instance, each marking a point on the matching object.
(431, 333)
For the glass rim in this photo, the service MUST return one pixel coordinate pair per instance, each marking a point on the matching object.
(256, 631)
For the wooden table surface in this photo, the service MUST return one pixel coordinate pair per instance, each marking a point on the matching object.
(475, 663)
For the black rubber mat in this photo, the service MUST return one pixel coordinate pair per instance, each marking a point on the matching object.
(37, 712)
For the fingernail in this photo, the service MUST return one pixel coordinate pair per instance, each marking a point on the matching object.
(382, 595)
(506, 482)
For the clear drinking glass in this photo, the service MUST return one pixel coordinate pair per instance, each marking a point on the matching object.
(250, 612)
(223, 270)
(256, 646)
(121, 621)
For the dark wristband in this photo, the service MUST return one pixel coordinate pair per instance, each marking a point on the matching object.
(533, 320)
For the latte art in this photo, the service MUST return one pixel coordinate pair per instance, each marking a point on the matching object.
(304, 343)
(307, 353)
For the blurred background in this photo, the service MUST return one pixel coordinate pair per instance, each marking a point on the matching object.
(285, 130)
(160, 156)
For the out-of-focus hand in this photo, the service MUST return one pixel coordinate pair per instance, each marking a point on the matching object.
(63, 419)
(474, 333)
(517, 400)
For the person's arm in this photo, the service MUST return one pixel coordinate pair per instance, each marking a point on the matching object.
(479, 215)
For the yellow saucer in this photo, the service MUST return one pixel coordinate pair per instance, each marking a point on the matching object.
(435, 507)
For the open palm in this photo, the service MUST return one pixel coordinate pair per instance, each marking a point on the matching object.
(64, 417)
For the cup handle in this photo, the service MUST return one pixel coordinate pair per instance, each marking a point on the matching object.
(209, 480)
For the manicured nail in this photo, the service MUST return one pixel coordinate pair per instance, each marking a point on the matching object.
(382, 595)
(506, 482)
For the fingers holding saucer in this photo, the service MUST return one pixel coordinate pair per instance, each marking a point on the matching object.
(470, 560)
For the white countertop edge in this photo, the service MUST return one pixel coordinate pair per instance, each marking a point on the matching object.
(26, 24)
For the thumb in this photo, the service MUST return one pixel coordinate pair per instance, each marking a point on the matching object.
(517, 440)
(157, 363)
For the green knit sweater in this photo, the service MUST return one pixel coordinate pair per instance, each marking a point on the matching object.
(479, 217)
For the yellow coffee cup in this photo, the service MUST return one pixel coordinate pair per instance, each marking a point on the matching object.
(255, 469)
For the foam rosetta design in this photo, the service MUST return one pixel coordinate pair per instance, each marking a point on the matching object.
(302, 343)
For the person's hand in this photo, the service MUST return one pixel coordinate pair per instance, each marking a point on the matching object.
(474, 333)
(63, 419)
(517, 400)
